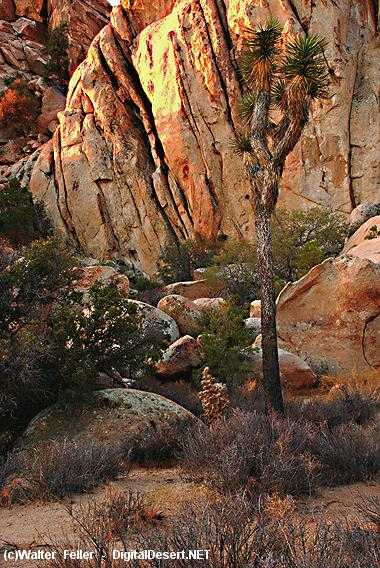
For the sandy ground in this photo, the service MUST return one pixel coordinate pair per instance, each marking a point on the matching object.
(166, 490)
(34, 525)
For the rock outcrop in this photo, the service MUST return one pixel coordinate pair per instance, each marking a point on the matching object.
(365, 243)
(88, 276)
(145, 140)
(156, 322)
(185, 313)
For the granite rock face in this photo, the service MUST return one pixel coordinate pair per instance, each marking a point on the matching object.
(145, 140)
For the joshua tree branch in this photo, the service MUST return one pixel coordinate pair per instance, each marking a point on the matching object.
(259, 128)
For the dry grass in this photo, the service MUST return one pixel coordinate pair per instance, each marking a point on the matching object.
(267, 533)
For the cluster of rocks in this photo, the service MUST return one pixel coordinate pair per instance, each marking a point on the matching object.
(328, 319)
(24, 27)
(331, 314)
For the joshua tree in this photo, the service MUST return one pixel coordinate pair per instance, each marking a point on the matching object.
(281, 80)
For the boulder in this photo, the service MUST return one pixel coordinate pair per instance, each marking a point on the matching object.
(32, 9)
(361, 214)
(53, 102)
(156, 321)
(254, 326)
(295, 372)
(332, 314)
(209, 305)
(111, 416)
(87, 276)
(365, 242)
(255, 309)
(186, 313)
(183, 355)
(193, 289)
(28, 29)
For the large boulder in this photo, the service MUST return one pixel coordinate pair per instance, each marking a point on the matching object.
(295, 372)
(189, 314)
(331, 316)
(185, 313)
(156, 321)
(87, 276)
(361, 214)
(365, 243)
(183, 355)
(193, 289)
(111, 416)
(254, 326)
(209, 305)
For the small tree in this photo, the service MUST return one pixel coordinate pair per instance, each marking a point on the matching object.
(281, 79)
(57, 66)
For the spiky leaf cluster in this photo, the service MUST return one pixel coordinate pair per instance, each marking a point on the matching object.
(259, 56)
(289, 75)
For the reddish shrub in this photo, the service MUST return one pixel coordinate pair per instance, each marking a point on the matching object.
(19, 107)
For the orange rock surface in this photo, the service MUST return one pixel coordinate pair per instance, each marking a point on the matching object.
(143, 152)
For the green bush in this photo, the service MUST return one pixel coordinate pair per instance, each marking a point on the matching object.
(302, 239)
(178, 260)
(20, 218)
(49, 343)
(109, 336)
(223, 339)
(57, 66)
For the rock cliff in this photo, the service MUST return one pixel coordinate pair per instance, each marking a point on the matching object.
(143, 151)
(24, 26)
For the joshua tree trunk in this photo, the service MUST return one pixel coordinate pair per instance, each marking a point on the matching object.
(271, 370)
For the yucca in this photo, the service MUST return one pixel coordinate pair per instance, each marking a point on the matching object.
(285, 77)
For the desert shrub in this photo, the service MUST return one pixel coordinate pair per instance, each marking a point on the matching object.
(57, 66)
(37, 275)
(347, 454)
(19, 107)
(18, 217)
(50, 343)
(30, 284)
(223, 339)
(159, 449)
(110, 337)
(115, 522)
(302, 239)
(369, 507)
(28, 379)
(148, 291)
(344, 406)
(65, 467)
(61, 468)
(265, 454)
(178, 260)
(270, 533)
(239, 282)
(251, 448)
